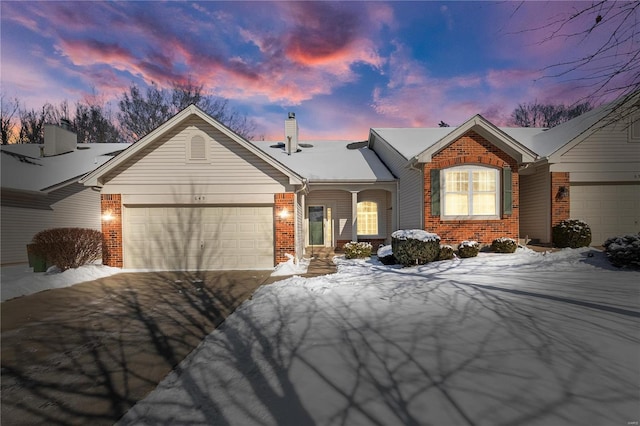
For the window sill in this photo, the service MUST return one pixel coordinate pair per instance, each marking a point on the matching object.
(469, 218)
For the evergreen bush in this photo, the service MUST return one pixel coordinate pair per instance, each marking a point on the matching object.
(504, 245)
(468, 249)
(415, 247)
(623, 250)
(446, 253)
(385, 255)
(357, 250)
(571, 233)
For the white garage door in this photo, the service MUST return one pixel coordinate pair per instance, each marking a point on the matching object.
(609, 210)
(198, 238)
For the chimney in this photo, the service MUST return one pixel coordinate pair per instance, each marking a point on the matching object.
(58, 140)
(291, 133)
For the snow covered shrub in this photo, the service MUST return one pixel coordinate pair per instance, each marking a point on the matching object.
(468, 249)
(68, 247)
(623, 250)
(385, 255)
(504, 245)
(415, 247)
(571, 233)
(446, 253)
(357, 250)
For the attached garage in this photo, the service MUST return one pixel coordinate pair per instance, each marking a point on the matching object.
(609, 209)
(193, 195)
(198, 238)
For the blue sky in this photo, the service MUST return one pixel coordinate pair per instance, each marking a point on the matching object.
(343, 67)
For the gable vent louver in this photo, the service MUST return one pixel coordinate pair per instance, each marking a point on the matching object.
(198, 148)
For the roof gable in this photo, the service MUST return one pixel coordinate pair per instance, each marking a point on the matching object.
(555, 142)
(96, 177)
(485, 129)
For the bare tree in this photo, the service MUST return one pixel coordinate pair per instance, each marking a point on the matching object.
(546, 115)
(93, 123)
(141, 113)
(612, 69)
(32, 124)
(8, 111)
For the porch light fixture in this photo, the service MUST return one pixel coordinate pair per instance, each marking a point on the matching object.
(563, 192)
(284, 213)
(107, 216)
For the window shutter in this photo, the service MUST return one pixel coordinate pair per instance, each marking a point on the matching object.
(507, 193)
(435, 192)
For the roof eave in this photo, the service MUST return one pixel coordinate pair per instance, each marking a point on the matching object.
(94, 178)
(486, 129)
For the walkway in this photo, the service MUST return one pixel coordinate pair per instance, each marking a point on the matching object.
(321, 261)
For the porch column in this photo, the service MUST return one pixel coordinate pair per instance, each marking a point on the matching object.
(394, 211)
(304, 229)
(354, 215)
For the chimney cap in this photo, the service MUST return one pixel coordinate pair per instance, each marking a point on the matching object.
(292, 115)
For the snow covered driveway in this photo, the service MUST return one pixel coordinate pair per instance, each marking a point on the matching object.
(500, 339)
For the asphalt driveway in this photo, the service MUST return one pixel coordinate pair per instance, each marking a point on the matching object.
(86, 354)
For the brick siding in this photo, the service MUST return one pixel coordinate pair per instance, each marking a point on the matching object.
(472, 149)
(111, 204)
(285, 234)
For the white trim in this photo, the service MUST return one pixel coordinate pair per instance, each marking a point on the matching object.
(470, 169)
(95, 177)
(485, 129)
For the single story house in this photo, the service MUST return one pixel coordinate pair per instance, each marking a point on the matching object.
(192, 194)
(40, 188)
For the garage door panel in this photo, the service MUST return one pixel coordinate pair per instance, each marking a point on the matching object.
(609, 210)
(198, 238)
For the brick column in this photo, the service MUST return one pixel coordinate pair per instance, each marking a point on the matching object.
(111, 211)
(560, 204)
(284, 219)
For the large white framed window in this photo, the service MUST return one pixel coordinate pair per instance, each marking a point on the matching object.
(470, 192)
(367, 218)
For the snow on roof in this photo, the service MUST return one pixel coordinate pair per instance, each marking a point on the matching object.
(329, 161)
(549, 141)
(24, 169)
(410, 142)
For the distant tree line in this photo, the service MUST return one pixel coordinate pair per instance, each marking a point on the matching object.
(546, 115)
(139, 111)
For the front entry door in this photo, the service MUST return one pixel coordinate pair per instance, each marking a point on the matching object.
(316, 225)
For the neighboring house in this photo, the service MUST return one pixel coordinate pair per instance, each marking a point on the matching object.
(40, 188)
(194, 195)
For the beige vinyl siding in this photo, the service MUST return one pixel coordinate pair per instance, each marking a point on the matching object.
(166, 162)
(71, 206)
(410, 185)
(608, 145)
(340, 204)
(535, 205)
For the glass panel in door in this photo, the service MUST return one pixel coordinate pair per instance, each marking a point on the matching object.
(316, 225)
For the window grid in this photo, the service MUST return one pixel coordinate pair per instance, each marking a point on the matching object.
(471, 192)
(367, 218)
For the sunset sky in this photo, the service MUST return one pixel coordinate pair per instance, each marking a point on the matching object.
(343, 67)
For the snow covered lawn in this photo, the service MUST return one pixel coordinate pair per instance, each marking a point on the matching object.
(516, 339)
(20, 280)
